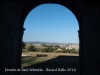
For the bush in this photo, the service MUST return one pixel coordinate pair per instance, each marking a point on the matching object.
(73, 51)
(68, 50)
(64, 50)
(50, 49)
(44, 50)
(31, 48)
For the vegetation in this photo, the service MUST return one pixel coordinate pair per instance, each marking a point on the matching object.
(64, 50)
(73, 50)
(31, 48)
(31, 60)
(44, 50)
(53, 59)
(48, 48)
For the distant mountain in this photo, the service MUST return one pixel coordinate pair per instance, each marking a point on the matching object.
(38, 42)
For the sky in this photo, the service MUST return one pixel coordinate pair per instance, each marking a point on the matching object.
(51, 23)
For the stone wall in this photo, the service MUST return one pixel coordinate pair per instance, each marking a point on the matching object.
(10, 39)
(90, 41)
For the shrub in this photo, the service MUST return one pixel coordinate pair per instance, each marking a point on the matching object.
(64, 50)
(73, 50)
(31, 48)
(44, 50)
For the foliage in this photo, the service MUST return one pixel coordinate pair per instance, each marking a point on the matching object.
(31, 48)
(48, 49)
(44, 50)
(64, 50)
(57, 46)
(73, 50)
(68, 50)
(44, 45)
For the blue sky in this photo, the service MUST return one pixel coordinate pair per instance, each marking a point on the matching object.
(51, 23)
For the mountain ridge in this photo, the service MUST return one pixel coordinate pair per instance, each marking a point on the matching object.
(39, 42)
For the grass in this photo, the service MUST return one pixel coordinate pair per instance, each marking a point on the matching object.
(53, 60)
(31, 60)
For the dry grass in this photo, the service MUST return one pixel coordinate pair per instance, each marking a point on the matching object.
(53, 60)
(33, 59)
(50, 54)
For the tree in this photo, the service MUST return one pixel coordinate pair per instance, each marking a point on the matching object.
(23, 45)
(64, 50)
(73, 50)
(50, 49)
(57, 46)
(44, 45)
(44, 50)
(68, 50)
(31, 48)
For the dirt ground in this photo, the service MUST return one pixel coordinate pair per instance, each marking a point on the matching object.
(49, 54)
(52, 60)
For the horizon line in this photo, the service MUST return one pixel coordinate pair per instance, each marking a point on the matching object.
(47, 42)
